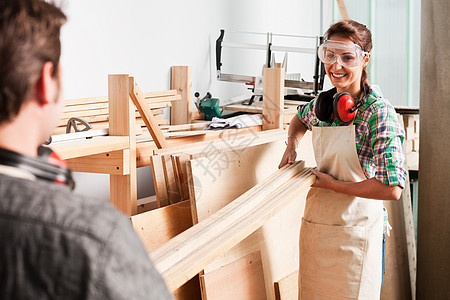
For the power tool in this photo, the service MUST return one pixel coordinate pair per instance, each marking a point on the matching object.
(210, 107)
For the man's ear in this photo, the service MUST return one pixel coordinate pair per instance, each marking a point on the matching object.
(45, 85)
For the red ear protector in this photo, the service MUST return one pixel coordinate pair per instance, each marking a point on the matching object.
(341, 105)
(47, 166)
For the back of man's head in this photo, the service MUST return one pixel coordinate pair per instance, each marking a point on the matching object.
(29, 37)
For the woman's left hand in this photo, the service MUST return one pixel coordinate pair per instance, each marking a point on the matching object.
(323, 180)
(369, 188)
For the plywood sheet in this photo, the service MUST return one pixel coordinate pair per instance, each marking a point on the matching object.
(245, 276)
(219, 180)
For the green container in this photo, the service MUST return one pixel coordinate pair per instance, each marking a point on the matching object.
(210, 107)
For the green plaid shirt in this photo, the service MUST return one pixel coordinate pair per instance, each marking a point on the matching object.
(379, 137)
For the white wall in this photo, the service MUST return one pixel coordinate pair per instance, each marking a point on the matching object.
(146, 38)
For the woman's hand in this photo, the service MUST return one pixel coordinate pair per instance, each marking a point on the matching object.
(295, 134)
(369, 188)
(289, 156)
(323, 180)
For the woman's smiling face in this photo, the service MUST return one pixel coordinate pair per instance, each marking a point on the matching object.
(345, 79)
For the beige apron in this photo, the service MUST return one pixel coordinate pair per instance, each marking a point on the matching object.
(341, 235)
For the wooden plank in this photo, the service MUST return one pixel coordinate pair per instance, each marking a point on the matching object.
(397, 278)
(232, 176)
(228, 143)
(86, 147)
(104, 99)
(171, 184)
(257, 108)
(115, 162)
(123, 188)
(158, 104)
(182, 83)
(146, 114)
(159, 94)
(273, 98)
(185, 255)
(159, 180)
(163, 99)
(241, 279)
(101, 116)
(181, 161)
(147, 204)
(146, 149)
(84, 113)
(183, 127)
(197, 116)
(287, 287)
(160, 225)
(343, 10)
(88, 118)
(82, 101)
(94, 106)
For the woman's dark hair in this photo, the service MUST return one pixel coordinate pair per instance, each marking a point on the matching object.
(29, 37)
(356, 32)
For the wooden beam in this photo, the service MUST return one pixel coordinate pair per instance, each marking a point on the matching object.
(229, 143)
(188, 253)
(182, 127)
(343, 10)
(114, 162)
(86, 147)
(146, 114)
(167, 93)
(182, 82)
(181, 161)
(147, 148)
(171, 184)
(273, 98)
(159, 180)
(123, 188)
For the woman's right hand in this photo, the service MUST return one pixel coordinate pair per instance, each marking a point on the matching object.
(289, 156)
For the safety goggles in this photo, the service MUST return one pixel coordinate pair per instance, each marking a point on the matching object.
(346, 54)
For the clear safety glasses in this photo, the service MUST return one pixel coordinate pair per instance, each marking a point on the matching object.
(346, 54)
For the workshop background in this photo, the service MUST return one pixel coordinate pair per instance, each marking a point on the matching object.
(410, 63)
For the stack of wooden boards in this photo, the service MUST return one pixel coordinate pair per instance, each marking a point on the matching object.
(208, 178)
(95, 110)
(218, 172)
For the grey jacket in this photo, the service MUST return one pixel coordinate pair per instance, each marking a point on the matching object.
(56, 245)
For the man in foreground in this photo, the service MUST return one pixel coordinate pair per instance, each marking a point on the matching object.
(54, 244)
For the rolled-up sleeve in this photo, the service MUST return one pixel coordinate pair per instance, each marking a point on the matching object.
(307, 116)
(387, 138)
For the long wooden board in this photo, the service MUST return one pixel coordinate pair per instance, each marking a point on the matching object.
(146, 114)
(160, 225)
(232, 176)
(185, 255)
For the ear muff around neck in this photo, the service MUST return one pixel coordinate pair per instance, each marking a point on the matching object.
(323, 106)
(44, 167)
(341, 105)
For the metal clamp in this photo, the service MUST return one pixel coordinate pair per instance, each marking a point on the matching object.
(72, 122)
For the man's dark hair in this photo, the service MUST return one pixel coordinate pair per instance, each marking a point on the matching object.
(29, 37)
